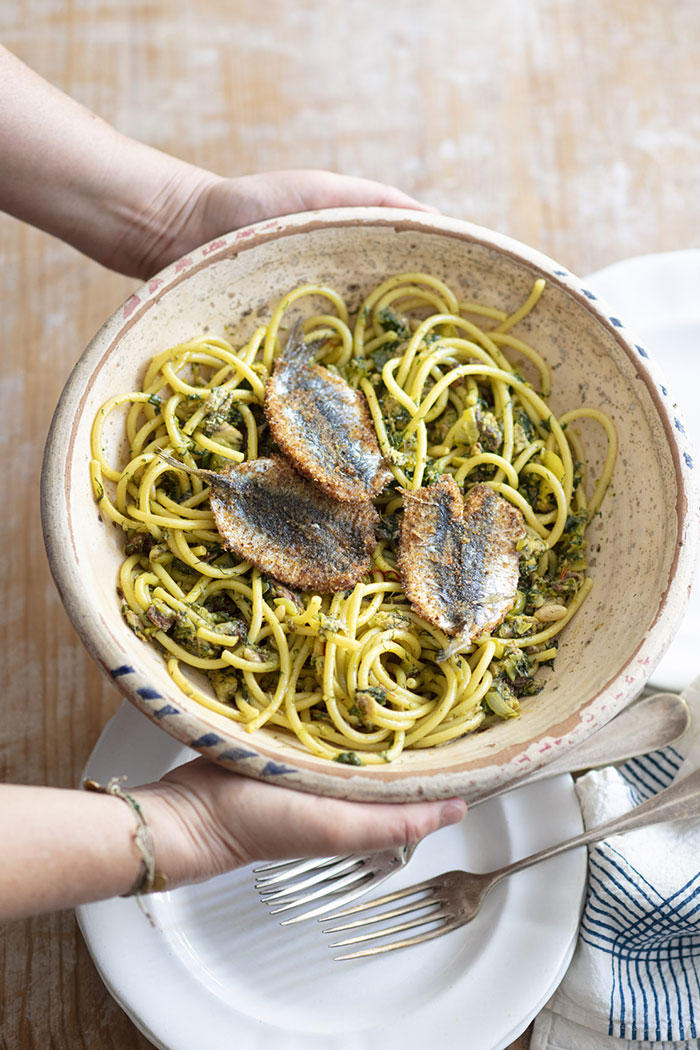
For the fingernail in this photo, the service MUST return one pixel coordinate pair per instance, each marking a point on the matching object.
(452, 812)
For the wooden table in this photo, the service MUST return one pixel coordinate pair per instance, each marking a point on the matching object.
(573, 127)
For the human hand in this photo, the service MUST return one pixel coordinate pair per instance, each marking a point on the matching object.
(206, 820)
(131, 207)
(203, 206)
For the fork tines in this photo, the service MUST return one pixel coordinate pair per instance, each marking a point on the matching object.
(335, 881)
(427, 909)
(279, 870)
(305, 875)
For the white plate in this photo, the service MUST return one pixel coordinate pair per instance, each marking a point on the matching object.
(658, 298)
(217, 970)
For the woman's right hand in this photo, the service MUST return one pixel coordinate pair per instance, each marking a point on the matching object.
(206, 820)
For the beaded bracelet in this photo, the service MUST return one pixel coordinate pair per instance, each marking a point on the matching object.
(148, 879)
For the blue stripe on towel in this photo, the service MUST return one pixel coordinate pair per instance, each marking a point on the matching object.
(647, 939)
(652, 942)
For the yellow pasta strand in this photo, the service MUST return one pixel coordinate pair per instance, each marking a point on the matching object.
(354, 677)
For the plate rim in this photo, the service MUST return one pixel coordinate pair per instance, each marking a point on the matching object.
(672, 262)
(127, 977)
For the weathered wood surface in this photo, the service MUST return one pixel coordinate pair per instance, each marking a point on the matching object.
(574, 127)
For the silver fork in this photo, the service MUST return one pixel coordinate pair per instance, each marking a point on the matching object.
(651, 723)
(451, 900)
(335, 880)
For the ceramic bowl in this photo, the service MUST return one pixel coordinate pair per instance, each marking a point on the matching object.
(640, 549)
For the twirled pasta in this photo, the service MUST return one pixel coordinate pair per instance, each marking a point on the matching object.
(353, 675)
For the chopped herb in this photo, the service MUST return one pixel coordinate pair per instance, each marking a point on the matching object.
(204, 456)
(355, 370)
(375, 692)
(524, 431)
(185, 634)
(501, 700)
(432, 473)
(384, 354)
(225, 683)
(393, 322)
(491, 434)
(348, 758)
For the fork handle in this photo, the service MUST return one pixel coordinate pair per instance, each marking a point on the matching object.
(650, 723)
(680, 801)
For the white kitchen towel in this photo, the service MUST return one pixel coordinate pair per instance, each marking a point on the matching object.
(634, 980)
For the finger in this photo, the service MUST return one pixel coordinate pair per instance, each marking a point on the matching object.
(324, 189)
(232, 203)
(273, 822)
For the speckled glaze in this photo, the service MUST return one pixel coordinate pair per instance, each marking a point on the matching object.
(640, 550)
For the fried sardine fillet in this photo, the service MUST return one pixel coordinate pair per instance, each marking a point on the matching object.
(323, 425)
(458, 558)
(270, 515)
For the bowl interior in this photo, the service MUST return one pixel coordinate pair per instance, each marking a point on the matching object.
(636, 546)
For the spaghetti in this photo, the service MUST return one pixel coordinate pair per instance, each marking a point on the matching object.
(355, 676)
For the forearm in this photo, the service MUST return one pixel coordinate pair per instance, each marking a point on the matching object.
(68, 172)
(61, 848)
(129, 206)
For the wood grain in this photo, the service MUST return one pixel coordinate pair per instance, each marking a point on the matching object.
(574, 127)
